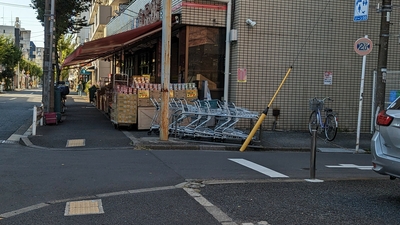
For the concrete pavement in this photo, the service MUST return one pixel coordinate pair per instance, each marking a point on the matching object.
(84, 126)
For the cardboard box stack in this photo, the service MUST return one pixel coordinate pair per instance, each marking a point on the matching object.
(124, 109)
(128, 97)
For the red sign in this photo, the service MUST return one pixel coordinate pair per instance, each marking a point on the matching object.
(363, 46)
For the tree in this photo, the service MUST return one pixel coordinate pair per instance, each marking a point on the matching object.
(66, 13)
(34, 70)
(66, 46)
(67, 19)
(10, 55)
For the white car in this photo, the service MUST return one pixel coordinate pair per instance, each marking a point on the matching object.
(385, 144)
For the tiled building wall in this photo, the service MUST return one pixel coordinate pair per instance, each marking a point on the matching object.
(203, 13)
(313, 37)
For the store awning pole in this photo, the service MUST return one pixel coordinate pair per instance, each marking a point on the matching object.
(165, 69)
(264, 113)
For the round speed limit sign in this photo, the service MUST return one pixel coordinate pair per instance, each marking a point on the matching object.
(363, 46)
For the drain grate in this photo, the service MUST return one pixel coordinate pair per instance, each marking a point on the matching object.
(84, 207)
(75, 143)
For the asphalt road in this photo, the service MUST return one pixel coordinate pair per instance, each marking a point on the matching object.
(156, 187)
(125, 186)
(16, 111)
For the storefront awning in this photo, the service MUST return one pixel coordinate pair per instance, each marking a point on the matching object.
(103, 47)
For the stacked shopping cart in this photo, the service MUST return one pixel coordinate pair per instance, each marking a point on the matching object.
(211, 119)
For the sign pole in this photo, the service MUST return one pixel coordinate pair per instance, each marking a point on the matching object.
(361, 102)
(362, 46)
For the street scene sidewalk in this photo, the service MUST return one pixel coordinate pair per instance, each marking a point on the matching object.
(84, 126)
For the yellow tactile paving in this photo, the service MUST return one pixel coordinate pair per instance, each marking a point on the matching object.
(75, 143)
(84, 207)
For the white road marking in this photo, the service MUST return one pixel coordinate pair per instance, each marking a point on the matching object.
(23, 210)
(216, 212)
(350, 166)
(258, 168)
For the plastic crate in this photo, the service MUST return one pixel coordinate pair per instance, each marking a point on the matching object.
(50, 118)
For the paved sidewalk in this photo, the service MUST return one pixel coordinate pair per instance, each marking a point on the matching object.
(84, 126)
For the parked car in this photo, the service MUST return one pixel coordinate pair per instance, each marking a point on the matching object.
(385, 143)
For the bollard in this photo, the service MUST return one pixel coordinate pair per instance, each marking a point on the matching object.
(37, 115)
(313, 154)
(34, 120)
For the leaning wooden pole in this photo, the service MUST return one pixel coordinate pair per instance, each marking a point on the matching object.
(264, 114)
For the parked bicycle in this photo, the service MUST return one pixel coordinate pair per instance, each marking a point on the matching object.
(329, 125)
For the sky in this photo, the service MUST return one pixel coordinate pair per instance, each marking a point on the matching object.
(10, 9)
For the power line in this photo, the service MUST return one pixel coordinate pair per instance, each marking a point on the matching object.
(15, 5)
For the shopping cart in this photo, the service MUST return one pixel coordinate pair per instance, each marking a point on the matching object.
(155, 125)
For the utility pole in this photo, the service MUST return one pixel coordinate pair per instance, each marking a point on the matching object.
(383, 53)
(48, 77)
(46, 57)
(165, 69)
(51, 54)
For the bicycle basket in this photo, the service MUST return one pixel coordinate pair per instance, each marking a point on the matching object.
(316, 104)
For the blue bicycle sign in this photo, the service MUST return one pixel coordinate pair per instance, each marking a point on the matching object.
(361, 10)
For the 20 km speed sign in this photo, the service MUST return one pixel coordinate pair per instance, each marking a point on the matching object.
(363, 46)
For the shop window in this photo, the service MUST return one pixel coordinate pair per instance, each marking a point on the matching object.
(206, 56)
(129, 66)
(144, 66)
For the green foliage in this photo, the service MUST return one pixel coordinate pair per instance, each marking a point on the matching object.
(10, 55)
(34, 70)
(66, 46)
(66, 13)
(67, 21)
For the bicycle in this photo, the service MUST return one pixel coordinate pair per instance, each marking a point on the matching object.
(329, 125)
(63, 100)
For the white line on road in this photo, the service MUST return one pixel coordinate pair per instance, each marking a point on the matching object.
(216, 212)
(23, 210)
(258, 168)
(351, 166)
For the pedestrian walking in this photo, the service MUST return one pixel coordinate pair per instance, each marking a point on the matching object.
(79, 88)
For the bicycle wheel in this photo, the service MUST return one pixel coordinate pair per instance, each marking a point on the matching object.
(330, 127)
(313, 122)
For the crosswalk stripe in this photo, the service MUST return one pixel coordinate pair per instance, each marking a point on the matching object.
(258, 168)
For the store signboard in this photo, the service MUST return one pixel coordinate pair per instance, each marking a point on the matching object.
(143, 94)
(85, 72)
